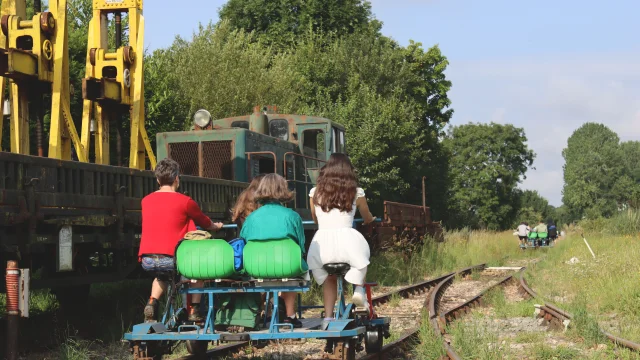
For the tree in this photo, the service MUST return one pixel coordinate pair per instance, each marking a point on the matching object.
(629, 187)
(361, 80)
(593, 172)
(487, 161)
(280, 22)
(532, 208)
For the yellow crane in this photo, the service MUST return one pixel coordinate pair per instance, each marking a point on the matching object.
(35, 51)
(32, 52)
(113, 83)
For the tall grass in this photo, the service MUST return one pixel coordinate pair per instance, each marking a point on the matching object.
(460, 248)
(607, 287)
(624, 223)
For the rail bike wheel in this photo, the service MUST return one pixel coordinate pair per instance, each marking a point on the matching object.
(197, 347)
(373, 340)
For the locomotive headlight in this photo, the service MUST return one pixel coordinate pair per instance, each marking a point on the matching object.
(202, 118)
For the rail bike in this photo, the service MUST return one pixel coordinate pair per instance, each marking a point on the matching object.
(244, 305)
(539, 240)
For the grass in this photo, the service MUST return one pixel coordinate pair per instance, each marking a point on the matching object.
(430, 346)
(593, 290)
(461, 248)
(394, 300)
(503, 309)
(472, 342)
(545, 352)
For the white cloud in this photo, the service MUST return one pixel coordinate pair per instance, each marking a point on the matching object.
(550, 97)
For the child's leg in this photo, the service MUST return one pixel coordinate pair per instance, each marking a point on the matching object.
(330, 295)
(195, 298)
(356, 277)
(158, 288)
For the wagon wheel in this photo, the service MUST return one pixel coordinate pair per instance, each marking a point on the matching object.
(344, 349)
(197, 347)
(373, 340)
(143, 352)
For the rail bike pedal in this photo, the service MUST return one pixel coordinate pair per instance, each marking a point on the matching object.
(361, 311)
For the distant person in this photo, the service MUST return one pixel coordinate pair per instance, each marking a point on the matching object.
(523, 232)
(166, 217)
(541, 228)
(553, 231)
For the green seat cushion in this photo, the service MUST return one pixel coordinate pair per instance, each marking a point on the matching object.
(205, 259)
(273, 259)
(533, 235)
(543, 235)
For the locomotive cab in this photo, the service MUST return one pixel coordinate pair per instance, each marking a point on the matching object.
(239, 148)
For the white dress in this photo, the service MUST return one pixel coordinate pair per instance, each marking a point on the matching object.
(336, 241)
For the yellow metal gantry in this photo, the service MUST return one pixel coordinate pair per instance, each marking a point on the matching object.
(34, 51)
(113, 83)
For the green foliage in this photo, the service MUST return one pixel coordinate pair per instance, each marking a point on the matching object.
(323, 58)
(533, 208)
(594, 172)
(487, 162)
(392, 100)
(228, 71)
(623, 223)
(281, 22)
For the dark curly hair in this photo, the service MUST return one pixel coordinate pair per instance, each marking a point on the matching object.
(337, 184)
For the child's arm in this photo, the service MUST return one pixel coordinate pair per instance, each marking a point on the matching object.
(202, 220)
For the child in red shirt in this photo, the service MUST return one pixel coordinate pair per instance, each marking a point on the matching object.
(166, 217)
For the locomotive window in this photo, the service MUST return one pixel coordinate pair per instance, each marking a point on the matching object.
(279, 128)
(313, 144)
(340, 142)
(240, 124)
(334, 137)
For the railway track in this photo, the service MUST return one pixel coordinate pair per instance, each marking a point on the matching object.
(441, 314)
(404, 341)
(440, 319)
(558, 317)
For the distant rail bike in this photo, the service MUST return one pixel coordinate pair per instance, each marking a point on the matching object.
(539, 240)
(235, 303)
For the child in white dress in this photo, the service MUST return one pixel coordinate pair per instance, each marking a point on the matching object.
(333, 205)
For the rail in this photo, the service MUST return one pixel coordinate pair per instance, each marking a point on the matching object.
(406, 340)
(559, 315)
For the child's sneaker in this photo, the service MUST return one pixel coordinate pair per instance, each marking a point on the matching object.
(359, 298)
(150, 310)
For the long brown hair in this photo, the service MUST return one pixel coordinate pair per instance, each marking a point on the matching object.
(246, 202)
(337, 184)
(273, 187)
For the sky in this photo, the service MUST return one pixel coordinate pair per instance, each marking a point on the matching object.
(546, 66)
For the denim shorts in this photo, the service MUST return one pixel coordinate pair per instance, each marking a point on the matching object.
(162, 266)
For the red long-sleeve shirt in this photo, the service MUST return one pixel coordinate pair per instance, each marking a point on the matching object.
(166, 218)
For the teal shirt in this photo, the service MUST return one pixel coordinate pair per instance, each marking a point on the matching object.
(273, 222)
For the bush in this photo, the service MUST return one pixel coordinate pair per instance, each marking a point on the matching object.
(623, 223)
